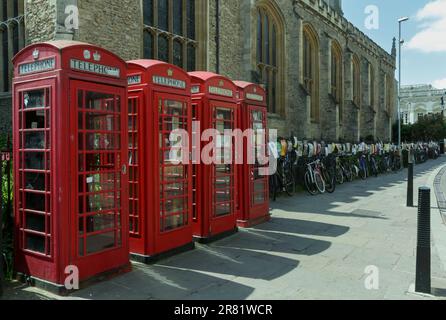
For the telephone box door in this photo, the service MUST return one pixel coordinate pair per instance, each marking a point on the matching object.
(33, 151)
(175, 173)
(135, 135)
(99, 214)
(258, 181)
(223, 174)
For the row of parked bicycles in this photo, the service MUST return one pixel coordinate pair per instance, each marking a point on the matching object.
(319, 168)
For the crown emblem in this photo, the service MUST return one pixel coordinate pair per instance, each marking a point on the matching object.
(221, 83)
(87, 54)
(97, 56)
(170, 72)
(36, 54)
(255, 90)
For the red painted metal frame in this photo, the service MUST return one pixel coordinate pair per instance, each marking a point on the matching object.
(152, 241)
(61, 146)
(252, 98)
(207, 225)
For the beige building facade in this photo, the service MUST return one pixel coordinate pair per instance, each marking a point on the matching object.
(420, 100)
(325, 79)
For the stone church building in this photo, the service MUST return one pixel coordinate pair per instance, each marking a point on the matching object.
(325, 79)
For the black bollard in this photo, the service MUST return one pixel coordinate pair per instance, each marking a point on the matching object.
(410, 181)
(423, 272)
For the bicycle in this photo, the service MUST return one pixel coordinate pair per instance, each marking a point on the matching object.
(283, 180)
(328, 168)
(339, 171)
(373, 166)
(346, 167)
(396, 162)
(314, 182)
(362, 165)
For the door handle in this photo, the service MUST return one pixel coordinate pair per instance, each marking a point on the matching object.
(124, 169)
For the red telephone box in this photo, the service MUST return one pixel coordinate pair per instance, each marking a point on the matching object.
(160, 188)
(253, 195)
(70, 170)
(214, 106)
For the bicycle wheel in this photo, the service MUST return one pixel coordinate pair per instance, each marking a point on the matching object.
(339, 176)
(348, 174)
(363, 172)
(319, 181)
(309, 185)
(375, 170)
(383, 166)
(289, 182)
(355, 172)
(397, 165)
(330, 181)
(273, 186)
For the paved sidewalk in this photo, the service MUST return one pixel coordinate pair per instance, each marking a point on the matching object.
(314, 248)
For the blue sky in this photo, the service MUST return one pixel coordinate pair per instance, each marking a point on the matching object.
(424, 54)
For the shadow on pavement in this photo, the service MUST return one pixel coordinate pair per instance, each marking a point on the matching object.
(310, 228)
(18, 291)
(258, 240)
(234, 261)
(349, 193)
(439, 292)
(164, 283)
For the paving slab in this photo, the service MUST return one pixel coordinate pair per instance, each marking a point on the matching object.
(313, 248)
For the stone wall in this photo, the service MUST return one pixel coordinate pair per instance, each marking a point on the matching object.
(115, 25)
(112, 24)
(40, 20)
(5, 112)
(230, 38)
(237, 61)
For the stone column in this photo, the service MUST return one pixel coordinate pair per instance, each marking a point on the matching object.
(247, 33)
(10, 10)
(66, 28)
(366, 108)
(348, 75)
(295, 101)
(202, 34)
(115, 25)
(40, 21)
(381, 115)
(351, 114)
(329, 109)
(303, 100)
(2, 34)
(21, 25)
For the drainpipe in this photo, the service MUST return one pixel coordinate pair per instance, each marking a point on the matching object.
(217, 36)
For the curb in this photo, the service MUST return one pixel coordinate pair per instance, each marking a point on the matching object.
(441, 197)
(438, 223)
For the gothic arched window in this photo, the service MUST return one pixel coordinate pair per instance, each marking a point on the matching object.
(269, 59)
(170, 32)
(12, 38)
(311, 69)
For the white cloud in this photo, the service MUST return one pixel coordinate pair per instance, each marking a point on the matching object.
(432, 19)
(440, 84)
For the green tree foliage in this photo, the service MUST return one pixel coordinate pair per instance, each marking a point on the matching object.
(428, 128)
(6, 217)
